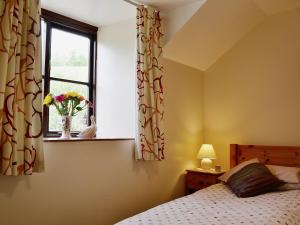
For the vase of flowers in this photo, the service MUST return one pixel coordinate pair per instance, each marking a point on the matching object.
(67, 105)
(66, 122)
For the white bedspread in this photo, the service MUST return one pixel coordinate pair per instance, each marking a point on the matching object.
(218, 205)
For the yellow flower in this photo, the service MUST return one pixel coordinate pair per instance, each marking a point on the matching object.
(48, 100)
(73, 94)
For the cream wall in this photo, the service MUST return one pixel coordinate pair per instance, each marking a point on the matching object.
(99, 183)
(252, 93)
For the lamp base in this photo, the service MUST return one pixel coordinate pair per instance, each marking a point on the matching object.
(206, 164)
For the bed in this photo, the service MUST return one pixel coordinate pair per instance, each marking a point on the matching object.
(218, 205)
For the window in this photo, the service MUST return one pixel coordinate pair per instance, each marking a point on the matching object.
(69, 64)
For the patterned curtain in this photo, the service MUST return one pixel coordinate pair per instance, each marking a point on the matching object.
(150, 135)
(21, 143)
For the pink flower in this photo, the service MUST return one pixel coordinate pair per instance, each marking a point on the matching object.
(59, 98)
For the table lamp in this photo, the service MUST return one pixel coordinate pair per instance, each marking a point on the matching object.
(206, 154)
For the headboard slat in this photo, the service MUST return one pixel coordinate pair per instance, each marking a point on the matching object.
(274, 155)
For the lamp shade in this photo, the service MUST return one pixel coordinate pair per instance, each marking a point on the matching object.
(206, 152)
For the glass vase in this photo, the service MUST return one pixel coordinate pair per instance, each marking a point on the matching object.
(66, 127)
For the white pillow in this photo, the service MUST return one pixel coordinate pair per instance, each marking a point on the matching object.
(288, 187)
(237, 168)
(286, 174)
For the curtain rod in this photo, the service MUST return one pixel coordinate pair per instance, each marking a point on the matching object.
(132, 3)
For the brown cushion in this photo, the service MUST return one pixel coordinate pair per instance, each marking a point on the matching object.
(254, 179)
(237, 168)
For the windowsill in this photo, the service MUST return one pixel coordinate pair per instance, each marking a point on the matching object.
(85, 139)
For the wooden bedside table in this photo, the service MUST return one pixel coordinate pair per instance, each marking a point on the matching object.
(197, 179)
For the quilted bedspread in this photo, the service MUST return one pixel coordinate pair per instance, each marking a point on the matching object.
(218, 205)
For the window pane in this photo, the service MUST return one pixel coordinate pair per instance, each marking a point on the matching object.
(80, 121)
(69, 56)
(43, 33)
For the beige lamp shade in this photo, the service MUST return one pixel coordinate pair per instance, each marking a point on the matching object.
(206, 152)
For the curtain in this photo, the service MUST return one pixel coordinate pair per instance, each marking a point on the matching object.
(21, 143)
(150, 132)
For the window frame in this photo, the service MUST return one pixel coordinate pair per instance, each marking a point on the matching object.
(63, 23)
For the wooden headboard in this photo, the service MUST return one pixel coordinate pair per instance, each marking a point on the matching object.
(273, 155)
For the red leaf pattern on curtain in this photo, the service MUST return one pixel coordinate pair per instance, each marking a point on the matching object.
(150, 91)
(21, 143)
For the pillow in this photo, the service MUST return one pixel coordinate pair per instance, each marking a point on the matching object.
(253, 179)
(288, 187)
(235, 169)
(286, 174)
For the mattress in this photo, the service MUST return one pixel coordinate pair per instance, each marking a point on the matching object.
(218, 205)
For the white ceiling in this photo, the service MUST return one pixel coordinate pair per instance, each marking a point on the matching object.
(211, 32)
(104, 12)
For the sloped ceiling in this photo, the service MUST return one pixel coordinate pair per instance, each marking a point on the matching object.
(217, 26)
(175, 19)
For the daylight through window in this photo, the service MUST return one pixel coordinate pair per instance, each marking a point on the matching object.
(68, 52)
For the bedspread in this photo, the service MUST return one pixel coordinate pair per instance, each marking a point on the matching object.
(218, 205)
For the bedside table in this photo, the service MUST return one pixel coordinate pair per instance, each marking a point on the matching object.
(197, 179)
